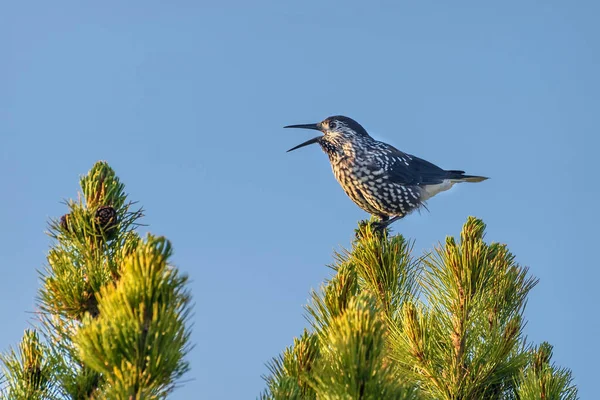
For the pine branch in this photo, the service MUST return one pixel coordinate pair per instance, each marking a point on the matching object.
(542, 380)
(139, 340)
(349, 317)
(463, 344)
(114, 314)
(375, 337)
(385, 267)
(291, 372)
(26, 371)
(355, 364)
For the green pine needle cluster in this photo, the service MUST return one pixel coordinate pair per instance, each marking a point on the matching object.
(139, 338)
(448, 325)
(113, 320)
(543, 380)
(26, 371)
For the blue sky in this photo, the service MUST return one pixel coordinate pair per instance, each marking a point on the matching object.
(186, 101)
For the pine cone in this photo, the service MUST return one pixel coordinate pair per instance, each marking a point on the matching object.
(64, 222)
(106, 218)
(33, 376)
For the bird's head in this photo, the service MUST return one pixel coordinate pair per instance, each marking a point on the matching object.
(336, 127)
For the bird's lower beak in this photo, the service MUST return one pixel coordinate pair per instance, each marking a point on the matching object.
(311, 141)
(316, 127)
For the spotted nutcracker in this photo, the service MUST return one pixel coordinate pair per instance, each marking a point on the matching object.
(379, 178)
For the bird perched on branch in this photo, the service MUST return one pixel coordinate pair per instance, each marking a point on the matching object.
(379, 178)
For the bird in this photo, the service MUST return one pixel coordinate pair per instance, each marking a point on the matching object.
(382, 180)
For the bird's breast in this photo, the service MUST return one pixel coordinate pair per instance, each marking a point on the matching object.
(348, 171)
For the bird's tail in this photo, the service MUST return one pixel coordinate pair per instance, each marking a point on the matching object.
(460, 176)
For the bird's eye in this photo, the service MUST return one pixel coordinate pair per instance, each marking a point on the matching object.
(332, 125)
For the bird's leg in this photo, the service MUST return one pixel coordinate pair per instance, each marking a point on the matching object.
(391, 221)
(383, 218)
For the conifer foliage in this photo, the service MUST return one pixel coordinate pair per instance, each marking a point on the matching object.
(113, 313)
(448, 325)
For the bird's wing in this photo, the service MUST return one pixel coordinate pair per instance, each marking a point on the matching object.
(398, 167)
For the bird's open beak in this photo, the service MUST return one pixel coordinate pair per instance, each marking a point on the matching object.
(316, 127)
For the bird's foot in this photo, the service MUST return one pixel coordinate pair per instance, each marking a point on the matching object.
(377, 227)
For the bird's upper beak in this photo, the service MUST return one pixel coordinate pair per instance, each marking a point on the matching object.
(316, 127)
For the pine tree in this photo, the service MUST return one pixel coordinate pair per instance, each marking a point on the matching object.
(448, 325)
(113, 313)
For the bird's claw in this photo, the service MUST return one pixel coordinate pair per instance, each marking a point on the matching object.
(377, 227)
